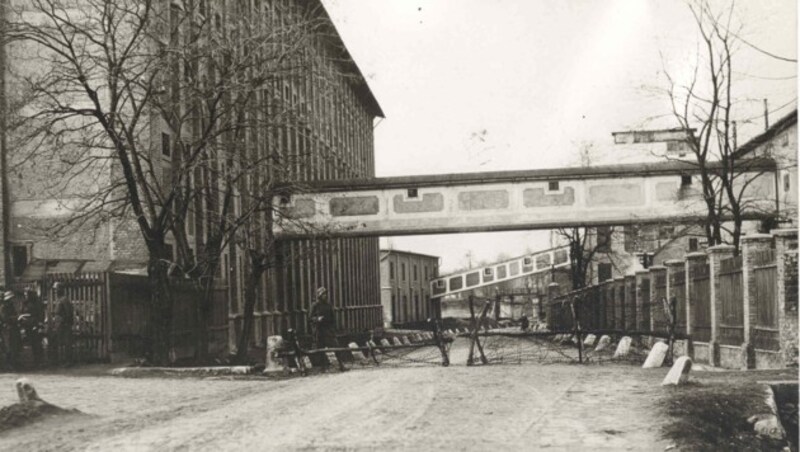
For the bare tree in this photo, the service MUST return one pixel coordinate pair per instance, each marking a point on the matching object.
(166, 110)
(585, 246)
(706, 102)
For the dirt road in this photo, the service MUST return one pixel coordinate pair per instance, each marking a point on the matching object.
(427, 407)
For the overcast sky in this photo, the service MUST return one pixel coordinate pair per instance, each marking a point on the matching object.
(486, 85)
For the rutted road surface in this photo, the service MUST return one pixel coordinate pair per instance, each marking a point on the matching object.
(525, 407)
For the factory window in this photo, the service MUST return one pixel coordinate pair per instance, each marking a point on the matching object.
(403, 271)
(412, 193)
(552, 186)
(415, 273)
(391, 270)
(643, 137)
(693, 245)
(165, 145)
(686, 180)
(603, 272)
(19, 259)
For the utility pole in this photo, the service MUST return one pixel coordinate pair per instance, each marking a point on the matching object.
(5, 198)
(766, 116)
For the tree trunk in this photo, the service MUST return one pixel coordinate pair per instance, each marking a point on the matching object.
(202, 309)
(251, 284)
(202, 313)
(160, 306)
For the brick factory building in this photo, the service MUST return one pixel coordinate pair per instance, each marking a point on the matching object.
(332, 110)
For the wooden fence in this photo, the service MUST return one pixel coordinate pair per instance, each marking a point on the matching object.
(112, 313)
(711, 317)
(765, 330)
(644, 325)
(678, 291)
(731, 327)
(660, 319)
(700, 297)
(631, 308)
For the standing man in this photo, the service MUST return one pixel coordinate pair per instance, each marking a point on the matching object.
(323, 322)
(524, 323)
(11, 335)
(65, 318)
(33, 323)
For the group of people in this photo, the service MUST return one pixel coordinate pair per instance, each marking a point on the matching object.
(27, 322)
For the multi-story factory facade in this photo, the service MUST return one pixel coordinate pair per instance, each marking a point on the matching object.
(325, 132)
(405, 286)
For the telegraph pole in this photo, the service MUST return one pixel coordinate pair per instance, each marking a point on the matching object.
(5, 199)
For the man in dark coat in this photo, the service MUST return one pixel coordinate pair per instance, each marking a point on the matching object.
(323, 323)
(10, 330)
(524, 324)
(33, 322)
(64, 319)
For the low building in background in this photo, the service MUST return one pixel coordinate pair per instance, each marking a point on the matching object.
(405, 286)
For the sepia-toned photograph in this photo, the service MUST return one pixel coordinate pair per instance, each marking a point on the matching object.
(398, 225)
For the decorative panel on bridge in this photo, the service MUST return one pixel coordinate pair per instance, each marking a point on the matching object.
(510, 200)
(498, 272)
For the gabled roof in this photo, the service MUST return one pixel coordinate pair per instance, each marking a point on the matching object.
(358, 82)
(386, 253)
(781, 125)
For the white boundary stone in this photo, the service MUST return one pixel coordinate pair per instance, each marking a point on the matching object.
(603, 343)
(679, 373)
(623, 348)
(272, 361)
(656, 356)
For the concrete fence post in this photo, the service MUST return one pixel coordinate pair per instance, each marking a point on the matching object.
(751, 245)
(715, 255)
(786, 260)
(552, 293)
